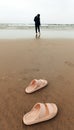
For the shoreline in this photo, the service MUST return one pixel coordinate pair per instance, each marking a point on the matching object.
(30, 34)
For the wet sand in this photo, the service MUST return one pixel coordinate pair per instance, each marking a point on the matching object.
(23, 60)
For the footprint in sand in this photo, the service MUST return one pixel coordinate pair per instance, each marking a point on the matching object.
(4, 78)
(69, 63)
(30, 70)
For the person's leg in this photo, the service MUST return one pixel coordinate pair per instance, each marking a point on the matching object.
(36, 29)
(39, 29)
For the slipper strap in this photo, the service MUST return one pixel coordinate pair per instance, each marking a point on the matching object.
(34, 80)
(42, 111)
(40, 83)
(50, 108)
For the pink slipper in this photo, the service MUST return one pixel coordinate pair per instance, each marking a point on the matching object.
(36, 85)
(40, 112)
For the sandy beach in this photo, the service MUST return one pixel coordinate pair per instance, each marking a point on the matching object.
(25, 59)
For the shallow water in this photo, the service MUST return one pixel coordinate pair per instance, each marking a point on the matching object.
(30, 33)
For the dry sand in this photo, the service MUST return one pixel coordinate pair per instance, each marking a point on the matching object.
(23, 60)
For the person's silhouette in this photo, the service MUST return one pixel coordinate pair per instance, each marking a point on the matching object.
(37, 24)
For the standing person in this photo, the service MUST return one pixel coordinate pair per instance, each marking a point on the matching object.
(37, 24)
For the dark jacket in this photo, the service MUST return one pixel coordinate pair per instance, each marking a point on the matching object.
(37, 20)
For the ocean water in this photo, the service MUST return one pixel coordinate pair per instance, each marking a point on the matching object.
(21, 31)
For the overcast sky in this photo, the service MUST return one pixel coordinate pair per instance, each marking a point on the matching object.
(23, 11)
